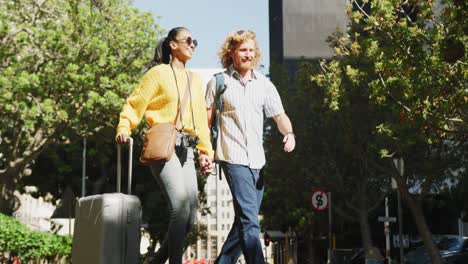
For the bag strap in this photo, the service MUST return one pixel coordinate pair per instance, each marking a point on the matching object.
(183, 103)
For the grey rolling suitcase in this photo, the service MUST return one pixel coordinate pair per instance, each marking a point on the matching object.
(107, 226)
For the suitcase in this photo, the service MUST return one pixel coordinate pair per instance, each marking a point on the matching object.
(107, 226)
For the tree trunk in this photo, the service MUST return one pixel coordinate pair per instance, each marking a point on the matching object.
(14, 170)
(8, 202)
(421, 224)
(366, 236)
(311, 246)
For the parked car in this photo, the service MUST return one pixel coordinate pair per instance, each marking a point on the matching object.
(373, 255)
(453, 249)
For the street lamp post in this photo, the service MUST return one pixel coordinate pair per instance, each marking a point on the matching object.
(400, 166)
(83, 170)
(387, 233)
(330, 229)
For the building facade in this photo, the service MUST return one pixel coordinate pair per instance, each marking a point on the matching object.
(299, 28)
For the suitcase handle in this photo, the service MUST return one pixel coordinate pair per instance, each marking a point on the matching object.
(119, 165)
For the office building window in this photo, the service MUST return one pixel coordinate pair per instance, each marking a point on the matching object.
(214, 247)
(213, 227)
(204, 248)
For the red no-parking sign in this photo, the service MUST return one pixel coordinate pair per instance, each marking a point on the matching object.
(319, 200)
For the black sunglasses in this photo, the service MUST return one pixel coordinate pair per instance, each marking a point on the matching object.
(241, 32)
(188, 41)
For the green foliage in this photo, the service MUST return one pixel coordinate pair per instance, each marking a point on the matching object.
(335, 152)
(20, 241)
(410, 63)
(395, 87)
(288, 176)
(65, 65)
(409, 58)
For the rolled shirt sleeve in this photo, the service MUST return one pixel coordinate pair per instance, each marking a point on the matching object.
(210, 93)
(272, 105)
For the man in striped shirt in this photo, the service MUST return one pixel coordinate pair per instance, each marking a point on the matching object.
(248, 96)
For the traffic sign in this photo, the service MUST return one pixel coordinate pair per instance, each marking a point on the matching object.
(386, 219)
(319, 200)
(397, 242)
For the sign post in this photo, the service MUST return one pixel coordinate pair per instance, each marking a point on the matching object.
(320, 201)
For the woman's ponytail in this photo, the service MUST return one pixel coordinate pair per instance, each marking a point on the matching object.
(162, 54)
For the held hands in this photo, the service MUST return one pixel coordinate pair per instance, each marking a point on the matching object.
(289, 141)
(206, 164)
(122, 138)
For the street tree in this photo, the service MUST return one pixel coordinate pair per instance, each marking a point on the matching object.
(64, 66)
(411, 62)
(335, 151)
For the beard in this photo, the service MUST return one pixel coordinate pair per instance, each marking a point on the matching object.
(246, 66)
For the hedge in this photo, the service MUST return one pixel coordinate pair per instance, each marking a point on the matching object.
(31, 246)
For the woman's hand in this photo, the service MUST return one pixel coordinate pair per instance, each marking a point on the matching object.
(206, 164)
(122, 138)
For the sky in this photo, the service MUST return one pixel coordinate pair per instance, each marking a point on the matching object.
(210, 21)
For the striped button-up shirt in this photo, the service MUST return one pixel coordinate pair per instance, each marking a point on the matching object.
(241, 126)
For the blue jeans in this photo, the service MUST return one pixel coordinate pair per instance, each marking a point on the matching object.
(246, 186)
(179, 183)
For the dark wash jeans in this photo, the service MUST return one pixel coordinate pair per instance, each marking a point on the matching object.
(246, 186)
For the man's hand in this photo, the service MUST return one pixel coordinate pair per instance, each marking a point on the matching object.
(206, 164)
(289, 142)
(285, 127)
(122, 138)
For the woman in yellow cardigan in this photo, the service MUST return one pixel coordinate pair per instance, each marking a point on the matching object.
(157, 97)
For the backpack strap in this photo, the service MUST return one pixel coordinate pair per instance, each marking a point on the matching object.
(218, 106)
(220, 88)
(216, 124)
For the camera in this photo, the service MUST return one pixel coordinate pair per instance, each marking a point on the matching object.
(189, 140)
